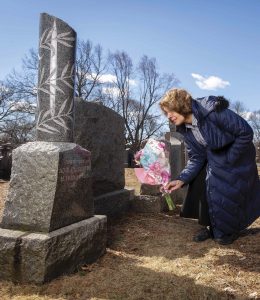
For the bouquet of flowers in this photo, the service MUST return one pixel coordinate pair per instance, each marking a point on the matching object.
(154, 159)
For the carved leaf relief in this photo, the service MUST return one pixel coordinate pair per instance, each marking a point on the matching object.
(44, 120)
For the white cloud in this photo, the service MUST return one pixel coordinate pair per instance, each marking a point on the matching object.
(108, 78)
(209, 83)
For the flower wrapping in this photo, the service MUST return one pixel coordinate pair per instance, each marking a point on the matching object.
(154, 159)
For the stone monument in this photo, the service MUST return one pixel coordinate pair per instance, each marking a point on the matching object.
(101, 130)
(48, 226)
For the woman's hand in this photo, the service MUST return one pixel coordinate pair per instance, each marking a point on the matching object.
(174, 185)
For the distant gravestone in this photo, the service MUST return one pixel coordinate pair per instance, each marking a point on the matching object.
(5, 161)
(48, 227)
(177, 159)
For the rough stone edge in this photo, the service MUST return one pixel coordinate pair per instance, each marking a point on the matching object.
(42, 257)
(9, 253)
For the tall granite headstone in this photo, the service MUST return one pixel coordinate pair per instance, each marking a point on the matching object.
(48, 224)
(57, 46)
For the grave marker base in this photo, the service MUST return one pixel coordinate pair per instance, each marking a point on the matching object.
(40, 257)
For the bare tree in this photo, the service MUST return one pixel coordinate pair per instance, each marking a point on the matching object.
(16, 117)
(90, 66)
(239, 108)
(152, 87)
(5, 107)
(19, 129)
(18, 100)
(122, 71)
(135, 99)
(254, 120)
(23, 84)
(19, 90)
(132, 92)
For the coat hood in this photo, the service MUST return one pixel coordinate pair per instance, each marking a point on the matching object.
(203, 106)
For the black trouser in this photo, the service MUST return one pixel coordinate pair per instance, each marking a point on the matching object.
(195, 205)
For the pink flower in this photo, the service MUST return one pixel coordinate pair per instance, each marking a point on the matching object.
(161, 145)
(154, 160)
(165, 177)
(155, 167)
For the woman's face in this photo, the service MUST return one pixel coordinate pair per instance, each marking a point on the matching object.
(174, 117)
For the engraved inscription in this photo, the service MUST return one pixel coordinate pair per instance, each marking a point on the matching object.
(74, 167)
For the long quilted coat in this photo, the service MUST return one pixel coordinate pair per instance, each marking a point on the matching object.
(233, 187)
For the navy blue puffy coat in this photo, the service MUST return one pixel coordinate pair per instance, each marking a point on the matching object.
(233, 186)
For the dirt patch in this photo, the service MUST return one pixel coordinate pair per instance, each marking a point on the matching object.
(152, 256)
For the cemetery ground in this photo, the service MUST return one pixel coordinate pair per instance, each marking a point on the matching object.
(152, 256)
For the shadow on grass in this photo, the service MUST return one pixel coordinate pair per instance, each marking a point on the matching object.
(156, 235)
(127, 270)
(117, 277)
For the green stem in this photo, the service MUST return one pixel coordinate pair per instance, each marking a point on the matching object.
(169, 201)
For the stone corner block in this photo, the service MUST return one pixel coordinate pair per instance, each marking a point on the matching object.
(10, 241)
(41, 257)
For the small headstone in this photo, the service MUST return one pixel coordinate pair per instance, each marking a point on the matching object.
(5, 161)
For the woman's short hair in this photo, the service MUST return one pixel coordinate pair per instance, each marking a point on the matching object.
(177, 100)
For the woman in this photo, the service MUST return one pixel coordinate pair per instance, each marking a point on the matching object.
(221, 171)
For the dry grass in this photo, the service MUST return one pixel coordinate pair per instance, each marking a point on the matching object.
(3, 191)
(131, 180)
(152, 256)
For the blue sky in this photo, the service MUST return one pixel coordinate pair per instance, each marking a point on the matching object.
(216, 41)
